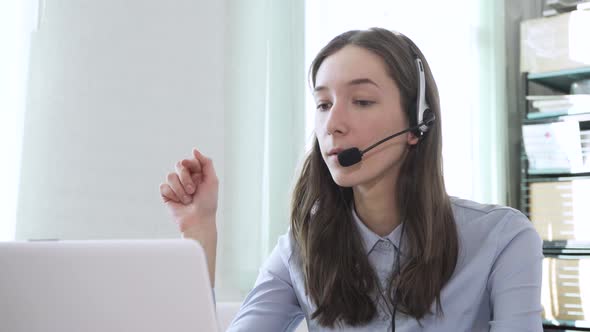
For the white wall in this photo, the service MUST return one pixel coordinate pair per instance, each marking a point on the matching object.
(118, 91)
(17, 18)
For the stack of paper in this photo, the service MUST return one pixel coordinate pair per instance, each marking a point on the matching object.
(547, 106)
(554, 147)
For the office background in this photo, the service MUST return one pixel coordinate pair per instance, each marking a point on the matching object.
(98, 99)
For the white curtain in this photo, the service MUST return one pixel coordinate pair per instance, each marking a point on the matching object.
(491, 150)
(264, 112)
(464, 44)
(17, 19)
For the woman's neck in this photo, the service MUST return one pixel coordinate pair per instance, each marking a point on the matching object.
(375, 206)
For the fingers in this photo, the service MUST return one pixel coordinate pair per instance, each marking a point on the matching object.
(185, 178)
(197, 177)
(190, 174)
(168, 194)
(178, 188)
(193, 165)
(206, 166)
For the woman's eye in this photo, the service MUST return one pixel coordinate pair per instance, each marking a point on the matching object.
(364, 103)
(323, 107)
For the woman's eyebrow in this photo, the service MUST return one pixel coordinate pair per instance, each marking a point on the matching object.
(357, 81)
(360, 81)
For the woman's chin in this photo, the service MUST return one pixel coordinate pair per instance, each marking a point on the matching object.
(344, 180)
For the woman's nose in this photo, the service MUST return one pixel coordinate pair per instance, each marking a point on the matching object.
(337, 120)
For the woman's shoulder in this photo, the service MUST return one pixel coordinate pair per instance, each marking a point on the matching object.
(473, 208)
(469, 211)
(486, 230)
(473, 217)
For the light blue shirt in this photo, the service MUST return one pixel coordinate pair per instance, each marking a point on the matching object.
(496, 285)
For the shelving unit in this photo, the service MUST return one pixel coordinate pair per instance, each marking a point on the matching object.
(556, 250)
(560, 80)
(565, 326)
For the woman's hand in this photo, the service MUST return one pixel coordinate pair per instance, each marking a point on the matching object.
(191, 194)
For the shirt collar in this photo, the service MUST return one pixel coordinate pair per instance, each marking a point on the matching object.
(370, 238)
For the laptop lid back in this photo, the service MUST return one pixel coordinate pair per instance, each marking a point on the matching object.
(116, 285)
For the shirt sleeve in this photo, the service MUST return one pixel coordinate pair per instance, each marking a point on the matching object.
(272, 304)
(515, 279)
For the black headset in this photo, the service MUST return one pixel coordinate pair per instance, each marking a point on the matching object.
(424, 115)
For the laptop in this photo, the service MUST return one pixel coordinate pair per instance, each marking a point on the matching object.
(106, 285)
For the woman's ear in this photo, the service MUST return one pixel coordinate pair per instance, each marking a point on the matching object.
(412, 139)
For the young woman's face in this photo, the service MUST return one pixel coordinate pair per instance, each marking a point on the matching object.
(357, 105)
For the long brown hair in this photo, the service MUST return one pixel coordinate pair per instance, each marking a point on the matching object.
(338, 276)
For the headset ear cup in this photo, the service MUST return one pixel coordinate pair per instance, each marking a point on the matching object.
(417, 133)
(428, 117)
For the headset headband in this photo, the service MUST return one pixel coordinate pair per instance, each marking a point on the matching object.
(424, 116)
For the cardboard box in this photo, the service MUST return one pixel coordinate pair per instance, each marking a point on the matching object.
(560, 210)
(555, 43)
(566, 292)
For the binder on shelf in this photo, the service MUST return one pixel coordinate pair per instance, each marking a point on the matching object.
(560, 210)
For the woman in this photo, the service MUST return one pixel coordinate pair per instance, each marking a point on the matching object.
(375, 242)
